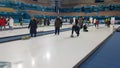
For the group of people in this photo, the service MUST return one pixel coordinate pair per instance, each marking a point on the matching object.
(107, 22)
(33, 26)
(76, 26)
(6, 22)
(96, 23)
(46, 22)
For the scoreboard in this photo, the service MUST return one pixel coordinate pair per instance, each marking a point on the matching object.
(35, 0)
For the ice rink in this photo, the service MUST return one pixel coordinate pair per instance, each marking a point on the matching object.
(51, 51)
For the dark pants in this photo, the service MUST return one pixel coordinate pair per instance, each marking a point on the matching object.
(95, 24)
(10, 27)
(2, 28)
(21, 23)
(108, 25)
(57, 30)
(85, 30)
(76, 29)
(33, 32)
(45, 23)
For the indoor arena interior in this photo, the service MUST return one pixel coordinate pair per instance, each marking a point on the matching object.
(59, 33)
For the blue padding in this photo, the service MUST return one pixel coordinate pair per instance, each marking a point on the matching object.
(18, 37)
(107, 56)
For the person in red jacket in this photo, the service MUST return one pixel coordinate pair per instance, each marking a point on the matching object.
(97, 23)
(2, 22)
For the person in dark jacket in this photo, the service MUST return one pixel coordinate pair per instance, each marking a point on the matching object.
(33, 27)
(45, 22)
(58, 24)
(85, 28)
(21, 21)
(75, 27)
